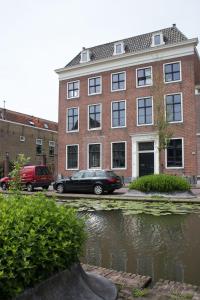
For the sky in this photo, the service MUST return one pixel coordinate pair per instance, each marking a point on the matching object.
(39, 36)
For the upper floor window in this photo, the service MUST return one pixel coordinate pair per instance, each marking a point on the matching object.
(94, 155)
(173, 108)
(144, 111)
(144, 77)
(73, 89)
(85, 55)
(94, 85)
(51, 148)
(172, 72)
(118, 113)
(118, 81)
(72, 157)
(94, 116)
(175, 153)
(38, 146)
(72, 119)
(157, 39)
(118, 48)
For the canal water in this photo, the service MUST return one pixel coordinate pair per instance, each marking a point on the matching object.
(165, 247)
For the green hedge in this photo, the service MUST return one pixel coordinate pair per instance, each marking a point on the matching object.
(37, 239)
(160, 183)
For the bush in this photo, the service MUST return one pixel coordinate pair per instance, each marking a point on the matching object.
(37, 239)
(160, 183)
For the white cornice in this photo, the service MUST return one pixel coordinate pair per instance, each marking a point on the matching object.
(33, 127)
(129, 59)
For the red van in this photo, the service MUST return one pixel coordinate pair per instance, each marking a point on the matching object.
(31, 177)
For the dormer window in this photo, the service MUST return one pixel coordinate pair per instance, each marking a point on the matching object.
(157, 39)
(85, 55)
(118, 48)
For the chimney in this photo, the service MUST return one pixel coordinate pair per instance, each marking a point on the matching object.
(174, 25)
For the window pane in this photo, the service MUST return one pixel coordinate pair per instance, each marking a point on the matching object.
(157, 39)
(140, 73)
(176, 76)
(121, 85)
(168, 68)
(143, 146)
(115, 86)
(174, 153)
(168, 77)
(176, 67)
(148, 72)
(72, 157)
(121, 76)
(115, 77)
(118, 155)
(94, 156)
(141, 103)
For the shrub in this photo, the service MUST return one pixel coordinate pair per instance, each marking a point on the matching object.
(37, 239)
(160, 183)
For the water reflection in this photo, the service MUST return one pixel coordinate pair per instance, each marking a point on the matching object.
(162, 247)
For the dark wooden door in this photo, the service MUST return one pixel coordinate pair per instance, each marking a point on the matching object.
(146, 163)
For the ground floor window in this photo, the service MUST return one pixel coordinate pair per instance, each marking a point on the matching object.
(94, 156)
(175, 153)
(118, 155)
(72, 156)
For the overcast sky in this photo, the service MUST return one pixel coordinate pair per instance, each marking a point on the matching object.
(39, 36)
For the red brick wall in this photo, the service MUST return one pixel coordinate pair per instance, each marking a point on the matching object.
(187, 129)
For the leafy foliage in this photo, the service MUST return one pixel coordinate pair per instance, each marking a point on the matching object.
(160, 183)
(140, 292)
(15, 184)
(37, 239)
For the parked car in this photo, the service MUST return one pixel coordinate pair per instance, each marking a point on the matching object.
(31, 177)
(96, 181)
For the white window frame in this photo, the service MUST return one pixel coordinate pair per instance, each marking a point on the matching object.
(124, 81)
(170, 63)
(87, 52)
(152, 123)
(117, 142)
(98, 128)
(99, 168)
(122, 48)
(113, 127)
(68, 89)
(67, 130)
(161, 39)
(183, 160)
(52, 143)
(92, 94)
(171, 94)
(22, 138)
(39, 142)
(67, 157)
(136, 76)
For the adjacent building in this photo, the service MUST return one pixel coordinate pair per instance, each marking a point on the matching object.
(110, 97)
(34, 137)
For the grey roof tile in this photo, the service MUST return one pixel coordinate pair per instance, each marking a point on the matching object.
(172, 35)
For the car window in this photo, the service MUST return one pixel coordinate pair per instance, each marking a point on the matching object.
(78, 175)
(88, 174)
(42, 171)
(100, 173)
(111, 174)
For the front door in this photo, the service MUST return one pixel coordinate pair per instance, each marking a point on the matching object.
(146, 158)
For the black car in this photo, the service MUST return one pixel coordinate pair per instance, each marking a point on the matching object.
(96, 181)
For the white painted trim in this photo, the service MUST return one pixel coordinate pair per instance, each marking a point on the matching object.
(87, 51)
(171, 94)
(100, 156)
(22, 138)
(122, 48)
(98, 128)
(71, 131)
(161, 39)
(124, 168)
(78, 89)
(170, 63)
(39, 142)
(33, 127)
(124, 81)
(136, 77)
(77, 157)
(145, 56)
(146, 137)
(89, 86)
(52, 143)
(183, 159)
(139, 125)
(114, 127)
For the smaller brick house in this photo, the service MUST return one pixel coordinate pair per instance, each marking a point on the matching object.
(34, 137)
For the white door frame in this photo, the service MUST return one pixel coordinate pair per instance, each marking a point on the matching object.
(145, 137)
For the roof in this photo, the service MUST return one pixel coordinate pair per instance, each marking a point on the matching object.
(171, 35)
(13, 116)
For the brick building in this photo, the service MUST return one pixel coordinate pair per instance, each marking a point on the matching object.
(108, 99)
(34, 137)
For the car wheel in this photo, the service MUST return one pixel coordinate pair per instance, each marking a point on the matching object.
(60, 188)
(45, 187)
(29, 187)
(3, 186)
(98, 189)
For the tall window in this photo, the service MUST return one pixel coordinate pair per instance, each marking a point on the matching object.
(173, 108)
(72, 119)
(119, 113)
(51, 148)
(94, 156)
(72, 157)
(144, 111)
(94, 85)
(175, 153)
(38, 146)
(118, 155)
(144, 77)
(94, 112)
(73, 89)
(118, 81)
(172, 72)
